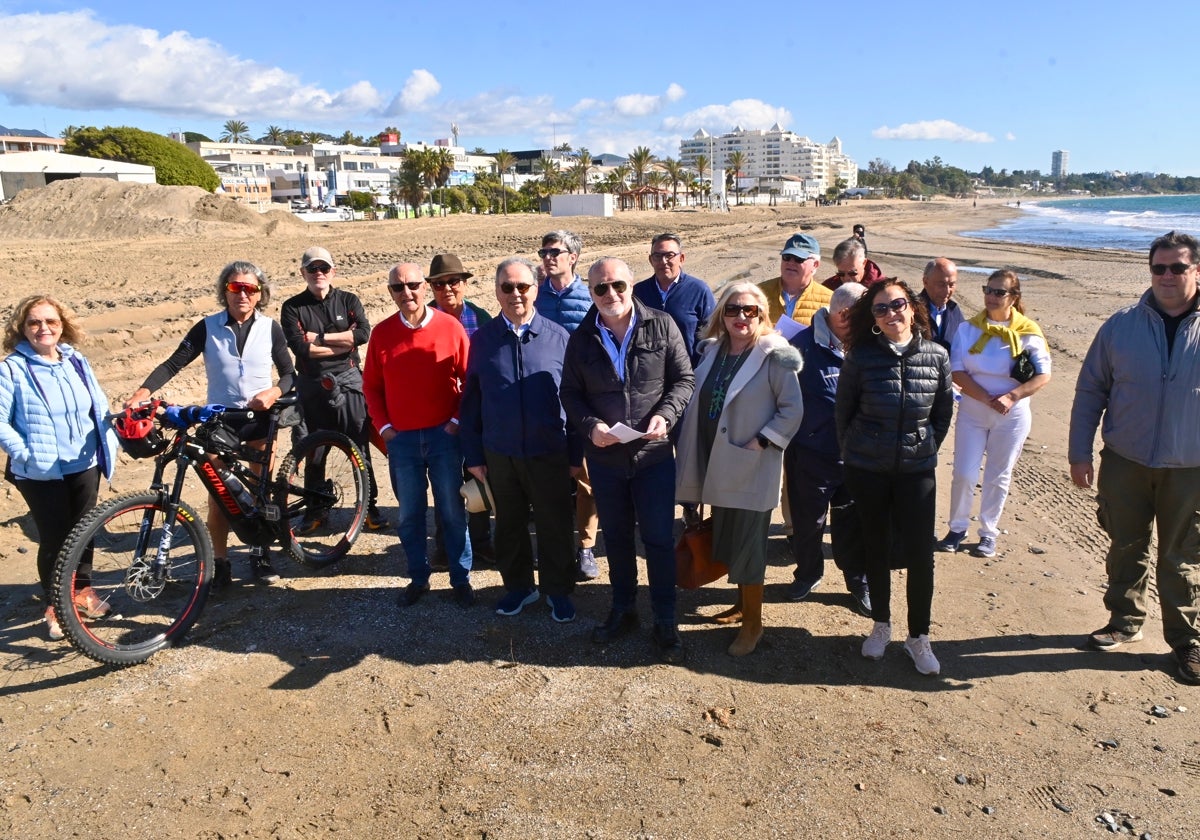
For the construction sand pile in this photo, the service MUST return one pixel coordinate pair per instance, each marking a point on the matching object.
(97, 208)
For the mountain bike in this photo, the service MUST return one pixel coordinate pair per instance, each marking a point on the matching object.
(148, 556)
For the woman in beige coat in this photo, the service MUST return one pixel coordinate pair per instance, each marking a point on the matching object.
(746, 407)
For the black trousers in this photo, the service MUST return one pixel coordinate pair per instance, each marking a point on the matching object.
(906, 502)
(342, 411)
(817, 493)
(57, 505)
(543, 482)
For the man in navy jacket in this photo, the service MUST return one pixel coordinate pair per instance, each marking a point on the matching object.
(687, 299)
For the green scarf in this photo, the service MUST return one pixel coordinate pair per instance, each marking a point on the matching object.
(1011, 335)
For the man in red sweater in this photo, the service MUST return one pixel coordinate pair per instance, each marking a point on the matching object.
(415, 366)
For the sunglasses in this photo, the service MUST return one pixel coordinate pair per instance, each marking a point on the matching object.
(988, 290)
(552, 253)
(794, 258)
(1178, 269)
(237, 288)
(519, 288)
(49, 323)
(848, 273)
(441, 284)
(663, 256)
(318, 268)
(747, 310)
(881, 310)
(400, 287)
(618, 286)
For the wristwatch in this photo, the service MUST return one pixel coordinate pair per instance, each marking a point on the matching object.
(763, 440)
(320, 342)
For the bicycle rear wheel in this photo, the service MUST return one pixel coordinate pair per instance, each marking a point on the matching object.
(321, 491)
(112, 550)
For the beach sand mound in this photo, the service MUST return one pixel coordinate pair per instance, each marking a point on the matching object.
(97, 208)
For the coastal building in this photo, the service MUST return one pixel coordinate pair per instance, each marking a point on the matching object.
(28, 140)
(1059, 162)
(775, 159)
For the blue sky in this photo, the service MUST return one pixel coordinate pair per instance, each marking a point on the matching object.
(976, 84)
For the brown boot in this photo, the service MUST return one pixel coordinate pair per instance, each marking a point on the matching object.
(732, 615)
(751, 597)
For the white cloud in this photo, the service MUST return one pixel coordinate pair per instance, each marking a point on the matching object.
(1010, 136)
(645, 104)
(420, 87)
(72, 60)
(932, 130)
(675, 92)
(717, 119)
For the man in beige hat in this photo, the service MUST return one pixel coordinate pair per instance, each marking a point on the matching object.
(448, 280)
(324, 328)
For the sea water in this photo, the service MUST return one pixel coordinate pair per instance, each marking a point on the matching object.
(1128, 223)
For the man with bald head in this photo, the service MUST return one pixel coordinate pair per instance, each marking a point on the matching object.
(627, 364)
(939, 280)
(416, 362)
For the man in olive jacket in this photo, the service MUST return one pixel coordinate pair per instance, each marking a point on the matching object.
(628, 364)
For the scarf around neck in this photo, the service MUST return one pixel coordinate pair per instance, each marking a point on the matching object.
(1011, 335)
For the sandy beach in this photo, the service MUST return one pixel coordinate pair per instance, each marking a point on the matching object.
(316, 707)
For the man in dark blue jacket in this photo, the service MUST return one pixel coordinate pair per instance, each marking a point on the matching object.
(685, 298)
(814, 463)
(514, 437)
(945, 316)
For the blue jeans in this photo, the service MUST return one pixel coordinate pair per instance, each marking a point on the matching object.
(411, 456)
(645, 499)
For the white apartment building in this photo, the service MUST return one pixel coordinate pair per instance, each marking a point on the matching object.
(1060, 162)
(775, 159)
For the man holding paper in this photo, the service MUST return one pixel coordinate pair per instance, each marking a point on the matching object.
(793, 296)
(628, 365)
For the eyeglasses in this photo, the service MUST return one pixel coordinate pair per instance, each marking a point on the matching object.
(519, 288)
(747, 310)
(618, 286)
(663, 256)
(237, 288)
(318, 268)
(988, 290)
(400, 287)
(881, 310)
(441, 284)
(848, 273)
(48, 323)
(1178, 269)
(794, 258)
(552, 253)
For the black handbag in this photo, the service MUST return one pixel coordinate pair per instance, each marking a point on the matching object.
(1023, 369)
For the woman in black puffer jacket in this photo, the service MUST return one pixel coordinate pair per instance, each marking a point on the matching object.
(893, 409)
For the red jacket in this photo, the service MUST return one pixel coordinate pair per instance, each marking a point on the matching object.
(872, 275)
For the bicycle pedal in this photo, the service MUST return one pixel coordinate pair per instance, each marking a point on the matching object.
(271, 513)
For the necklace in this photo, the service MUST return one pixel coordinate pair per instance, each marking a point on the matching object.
(721, 383)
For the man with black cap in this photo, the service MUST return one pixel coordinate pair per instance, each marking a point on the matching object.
(448, 280)
(793, 292)
(324, 328)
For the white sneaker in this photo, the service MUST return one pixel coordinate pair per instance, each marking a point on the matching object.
(875, 644)
(917, 647)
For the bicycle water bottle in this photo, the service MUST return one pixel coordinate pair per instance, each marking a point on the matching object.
(238, 490)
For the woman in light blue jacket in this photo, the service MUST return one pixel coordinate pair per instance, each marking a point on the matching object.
(53, 429)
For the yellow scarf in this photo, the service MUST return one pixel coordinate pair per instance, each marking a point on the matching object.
(1011, 335)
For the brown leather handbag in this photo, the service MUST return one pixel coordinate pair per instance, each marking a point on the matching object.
(694, 563)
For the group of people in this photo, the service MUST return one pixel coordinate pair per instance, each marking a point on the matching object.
(603, 402)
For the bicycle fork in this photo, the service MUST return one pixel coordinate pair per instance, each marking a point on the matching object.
(146, 579)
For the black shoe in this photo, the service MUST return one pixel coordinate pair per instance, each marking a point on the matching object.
(666, 639)
(464, 595)
(222, 574)
(412, 593)
(801, 589)
(619, 623)
(586, 567)
(861, 599)
(261, 569)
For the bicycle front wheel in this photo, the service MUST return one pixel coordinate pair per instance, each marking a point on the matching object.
(136, 606)
(321, 492)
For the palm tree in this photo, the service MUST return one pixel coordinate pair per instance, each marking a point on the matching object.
(621, 173)
(411, 181)
(701, 165)
(673, 169)
(548, 168)
(235, 131)
(505, 160)
(274, 134)
(640, 160)
(736, 161)
(658, 181)
(583, 167)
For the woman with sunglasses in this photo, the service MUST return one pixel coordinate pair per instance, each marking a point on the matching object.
(731, 441)
(994, 419)
(239, 345)
(893, 409)
(52, 427)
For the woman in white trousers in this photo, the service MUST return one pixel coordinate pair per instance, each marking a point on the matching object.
(994, 417)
